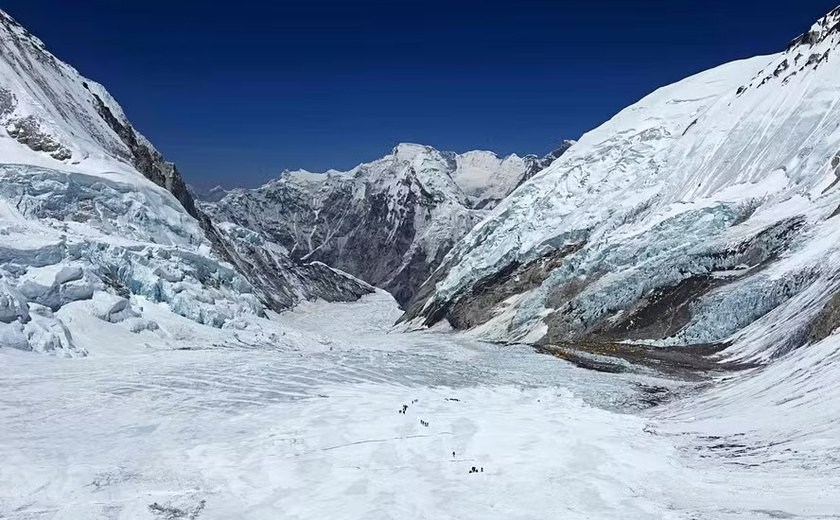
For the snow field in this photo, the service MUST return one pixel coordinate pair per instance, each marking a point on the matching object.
(298, 425)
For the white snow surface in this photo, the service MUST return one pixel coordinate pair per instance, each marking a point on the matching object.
(272, 420)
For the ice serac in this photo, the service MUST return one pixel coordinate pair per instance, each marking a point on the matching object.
(91, 212)
(389, 222)
(705, 212)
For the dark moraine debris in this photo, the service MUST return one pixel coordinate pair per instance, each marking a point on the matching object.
(827, 320)
(665, 312)
(164, 512)
(654, 395)
(689, 363)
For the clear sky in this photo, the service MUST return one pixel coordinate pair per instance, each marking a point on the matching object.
(235, 92)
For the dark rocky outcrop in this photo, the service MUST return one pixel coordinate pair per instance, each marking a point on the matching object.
(27, 130)
(146, 159)
(278, 280)
(478, 306)
(826, 321)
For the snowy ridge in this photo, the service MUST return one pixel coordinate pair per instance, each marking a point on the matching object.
(92, 214)
(686, 218)
(389, 222)
(53, 117)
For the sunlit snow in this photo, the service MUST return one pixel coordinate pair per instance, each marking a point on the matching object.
(308, 426)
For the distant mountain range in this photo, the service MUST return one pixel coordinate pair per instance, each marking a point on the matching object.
(389, 222)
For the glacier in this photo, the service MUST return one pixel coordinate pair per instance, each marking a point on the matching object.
(683, 220)
(221, 359)
(299, 416)
(89, 209)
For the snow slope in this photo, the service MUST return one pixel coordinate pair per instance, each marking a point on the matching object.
(389, 222)
(700, 214)
(53, 117)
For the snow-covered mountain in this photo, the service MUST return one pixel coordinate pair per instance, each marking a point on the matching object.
(214, 194)
(704, 213)
(389, 222)
(91, 214)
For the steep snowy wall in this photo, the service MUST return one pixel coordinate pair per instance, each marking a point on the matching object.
(50, 109)
(684, 219)
(83, 149)
(90, 211)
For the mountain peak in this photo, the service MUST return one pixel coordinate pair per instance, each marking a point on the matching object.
(822, 29)
(804, 55)
(409, 151)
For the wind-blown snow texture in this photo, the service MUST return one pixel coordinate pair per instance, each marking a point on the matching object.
(704, 213)
(389, 222)
(298, 418)
(88, 207)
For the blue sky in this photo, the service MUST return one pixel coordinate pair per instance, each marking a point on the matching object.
(236, 92)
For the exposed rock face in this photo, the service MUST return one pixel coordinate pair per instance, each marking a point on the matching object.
(827, 321)
(389, 222)
(281, 281)
(704, 212)
(145, 158)
(27, 130)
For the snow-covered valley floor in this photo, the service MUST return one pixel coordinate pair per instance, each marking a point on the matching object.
(308, 427)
